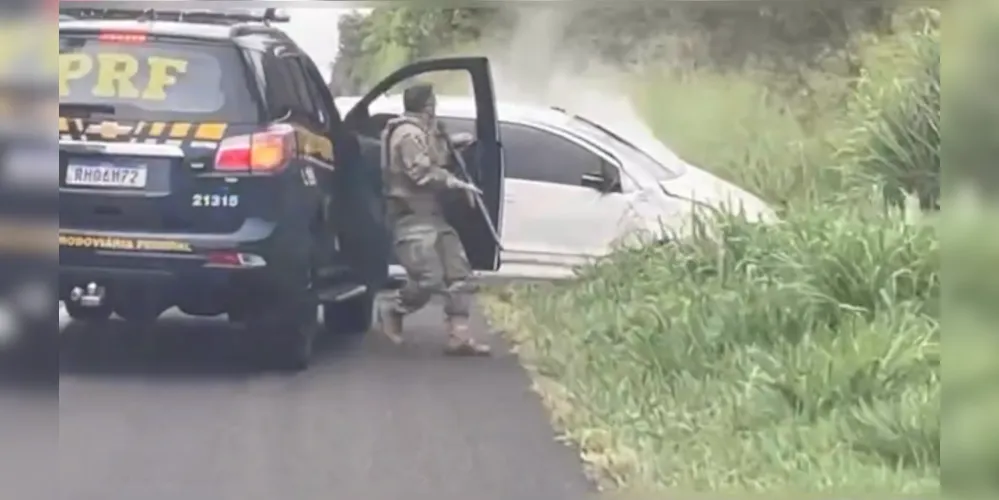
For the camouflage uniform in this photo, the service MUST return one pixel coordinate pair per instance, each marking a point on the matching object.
(414, 155)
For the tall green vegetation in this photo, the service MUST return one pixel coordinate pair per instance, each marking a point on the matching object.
(373, 45)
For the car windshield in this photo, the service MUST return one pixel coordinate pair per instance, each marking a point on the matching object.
(640, 147)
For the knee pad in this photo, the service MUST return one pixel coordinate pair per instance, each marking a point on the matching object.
(463, 287)
(430, 285)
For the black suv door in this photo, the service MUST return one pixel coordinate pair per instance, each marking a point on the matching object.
(478, 227)
(352, 209)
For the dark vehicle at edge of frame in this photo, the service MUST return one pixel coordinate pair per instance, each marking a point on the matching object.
(204, 165)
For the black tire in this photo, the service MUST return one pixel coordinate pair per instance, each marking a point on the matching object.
(87, 314)
(283, 338)
(349, 317)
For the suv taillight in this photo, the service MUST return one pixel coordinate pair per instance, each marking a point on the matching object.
(265, 152)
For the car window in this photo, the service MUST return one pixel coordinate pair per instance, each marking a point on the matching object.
(281, 92)
(538, 155)
(457, 125)
(319, 93)
(639, 147)
(156, 80)
(297, 74)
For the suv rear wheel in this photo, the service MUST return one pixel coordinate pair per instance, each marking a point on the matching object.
(283, 337)
(351, 316)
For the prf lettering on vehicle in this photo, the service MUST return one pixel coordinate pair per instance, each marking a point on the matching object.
(115, 74)
(122, 244)
(155, 80)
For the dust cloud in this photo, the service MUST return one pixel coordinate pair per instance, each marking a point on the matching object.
(534, 65)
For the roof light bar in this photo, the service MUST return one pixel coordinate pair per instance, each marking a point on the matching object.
(231, 16)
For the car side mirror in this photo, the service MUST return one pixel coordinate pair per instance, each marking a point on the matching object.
(594, 181)
(606, 182)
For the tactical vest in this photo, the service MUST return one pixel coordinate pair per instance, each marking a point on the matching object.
(438, 149)
(390, 128)
(403, 196)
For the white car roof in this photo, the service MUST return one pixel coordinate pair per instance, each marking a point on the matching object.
(464, 107)
(517, 112)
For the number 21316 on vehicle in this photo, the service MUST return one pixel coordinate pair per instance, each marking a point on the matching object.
(215, 200)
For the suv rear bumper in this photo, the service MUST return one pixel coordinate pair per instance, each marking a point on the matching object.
(203, 293)
(203, 274)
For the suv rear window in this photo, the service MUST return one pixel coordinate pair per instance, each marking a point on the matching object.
(156, 80)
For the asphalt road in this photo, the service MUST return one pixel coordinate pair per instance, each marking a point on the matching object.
(369, 421)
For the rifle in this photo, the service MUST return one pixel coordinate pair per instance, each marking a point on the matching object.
(476, 197)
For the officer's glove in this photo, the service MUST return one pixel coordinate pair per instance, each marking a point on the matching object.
(462, 140)
(468, 187)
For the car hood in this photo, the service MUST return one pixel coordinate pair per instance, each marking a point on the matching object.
(703, 188)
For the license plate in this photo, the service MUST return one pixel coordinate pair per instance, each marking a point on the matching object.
(106, 176)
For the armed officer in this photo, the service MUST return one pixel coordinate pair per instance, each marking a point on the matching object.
(415, 154)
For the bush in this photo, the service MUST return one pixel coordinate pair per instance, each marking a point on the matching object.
(898, 144)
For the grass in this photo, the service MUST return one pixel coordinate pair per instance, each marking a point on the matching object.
(795, 358)
(799, 357)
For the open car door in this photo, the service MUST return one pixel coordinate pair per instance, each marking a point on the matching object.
(478, 228)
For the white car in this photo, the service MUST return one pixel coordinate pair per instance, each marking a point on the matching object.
(573, 187)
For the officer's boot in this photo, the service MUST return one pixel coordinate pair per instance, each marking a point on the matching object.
(460, 341)
(390, 321)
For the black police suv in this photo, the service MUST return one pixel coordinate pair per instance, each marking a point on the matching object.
(203, 165)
